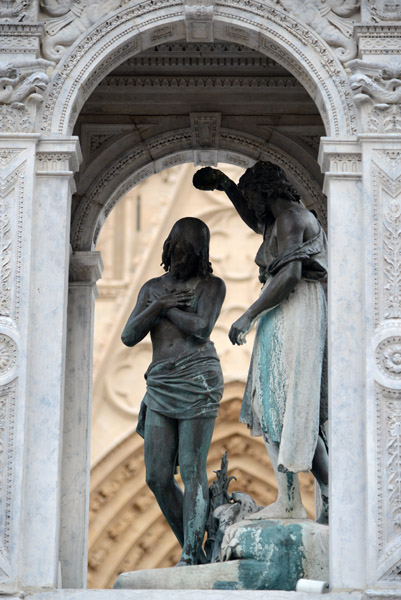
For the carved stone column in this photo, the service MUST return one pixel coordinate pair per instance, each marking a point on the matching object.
(363, 183)
(17, 161)
(44, 298)
(382, 184)
(85, 270)
(341, 161)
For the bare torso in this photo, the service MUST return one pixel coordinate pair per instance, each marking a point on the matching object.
(179, 328)
(168, 340)
(272, 246)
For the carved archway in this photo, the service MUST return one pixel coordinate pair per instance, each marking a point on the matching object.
(141, 25)
(137, 163)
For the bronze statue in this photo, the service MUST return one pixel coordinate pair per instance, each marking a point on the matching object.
(286, 394)
(184, 381)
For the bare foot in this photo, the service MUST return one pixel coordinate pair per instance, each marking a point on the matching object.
(184, 562)
(279, 510)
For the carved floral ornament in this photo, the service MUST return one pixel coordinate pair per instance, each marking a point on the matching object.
(8, 355)
(388, 357)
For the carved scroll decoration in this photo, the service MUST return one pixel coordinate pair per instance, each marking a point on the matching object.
(377, 89)
(12, 173)
(388, 426)
(387, 240)
(332, 20)
(392, 260)
(22, 85)
(11, 198)
(5, 261)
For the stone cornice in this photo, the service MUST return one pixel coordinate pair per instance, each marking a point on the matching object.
(85, 267)
(201, 81)
(21, 29)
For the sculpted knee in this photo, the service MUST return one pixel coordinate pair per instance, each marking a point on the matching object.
(156, 482)
(191, 474)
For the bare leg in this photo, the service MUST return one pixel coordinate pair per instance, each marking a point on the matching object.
(288, 504)
(194, 441)
(320, 470)
(161, 447)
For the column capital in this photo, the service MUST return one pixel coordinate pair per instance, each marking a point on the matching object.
(58, 155)
(340, 157)
(86, 267)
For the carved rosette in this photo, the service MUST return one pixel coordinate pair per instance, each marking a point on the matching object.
(388, 357)
(9, 350)
(8, 355)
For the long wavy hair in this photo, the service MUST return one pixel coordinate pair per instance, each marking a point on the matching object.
(267, 180)
(196, 233)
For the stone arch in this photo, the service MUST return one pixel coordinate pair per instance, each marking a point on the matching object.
(167, 150)
(142, 25)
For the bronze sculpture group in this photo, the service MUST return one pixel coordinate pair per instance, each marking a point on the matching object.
(286, 393)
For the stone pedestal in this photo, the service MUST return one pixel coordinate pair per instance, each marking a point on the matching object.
(271, 554)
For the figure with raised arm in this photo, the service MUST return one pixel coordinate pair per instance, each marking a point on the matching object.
(184, 381)
(285, 398)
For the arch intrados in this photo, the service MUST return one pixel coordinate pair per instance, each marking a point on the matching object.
(132, 29)
(136, 164)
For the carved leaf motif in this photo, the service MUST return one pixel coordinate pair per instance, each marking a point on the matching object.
(14, 118)
(5, 264)
(392, 258)
(394, 461)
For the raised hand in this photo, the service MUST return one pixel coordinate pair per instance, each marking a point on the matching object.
(209, 179)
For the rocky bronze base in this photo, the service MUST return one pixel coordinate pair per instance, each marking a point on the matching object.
(270, 554)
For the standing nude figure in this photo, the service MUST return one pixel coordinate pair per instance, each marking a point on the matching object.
(184, 380)
(286, 393)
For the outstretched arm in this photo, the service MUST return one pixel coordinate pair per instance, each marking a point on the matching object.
(290, 233)
(148, 310)
(214, 179)
(200, 324)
